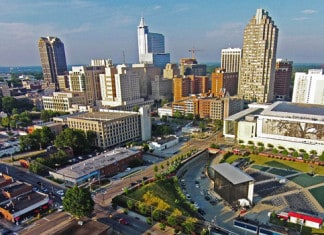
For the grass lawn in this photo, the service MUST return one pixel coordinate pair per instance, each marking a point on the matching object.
(164, 192)
(318, 194)
(279, 163)
(305, 180)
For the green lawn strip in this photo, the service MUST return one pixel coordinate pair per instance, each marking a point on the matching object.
(281, 172)
(318, 194)
(167, 192)
(260, 168)
(305, 180)
(279, 163)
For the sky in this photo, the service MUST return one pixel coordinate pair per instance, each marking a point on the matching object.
(97, 29)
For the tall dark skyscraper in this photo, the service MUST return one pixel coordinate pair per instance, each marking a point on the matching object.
(52, 55)
(258, 63)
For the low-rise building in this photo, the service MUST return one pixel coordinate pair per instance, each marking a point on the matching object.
(231, 183)
(292, 125)
(164, 143)
(101, 166)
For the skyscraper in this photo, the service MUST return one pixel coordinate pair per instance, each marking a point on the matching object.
(257, 70)
(309, 88)
(282, 79)
(151, 47)
(231, 58)
(52, 55)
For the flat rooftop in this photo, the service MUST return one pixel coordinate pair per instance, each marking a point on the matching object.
(24, 201)
(103, 116)
(232, 174)
(241, 115)
(95, 163)
(295, 110)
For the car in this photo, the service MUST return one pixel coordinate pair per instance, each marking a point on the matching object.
(123, 221)
(201, 211)
(197, 185)
(213, 202)
(35, 189)
(207, 197)
(188, 196)
(60, 208)
(145, 178)
(60, 192)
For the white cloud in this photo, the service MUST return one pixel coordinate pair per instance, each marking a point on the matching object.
(157, 7)
(308, 11)
(302, 18)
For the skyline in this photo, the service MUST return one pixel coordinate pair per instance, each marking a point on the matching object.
(106, 29)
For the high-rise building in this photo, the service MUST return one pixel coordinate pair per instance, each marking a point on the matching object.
(151, 49)
(120, 86)
(231, 59)
(309, 88)
(282, 79)
(52, 55)
(257, 69)
(86, 79)
(223, 82)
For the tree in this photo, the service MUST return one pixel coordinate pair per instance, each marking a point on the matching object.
(189, 225)
(76, 139)
(8, 103)
(78, 202)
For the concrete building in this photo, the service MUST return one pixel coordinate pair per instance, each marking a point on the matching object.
(231, 183)
(283, 79)
(64, 101)
(122, 87)
(171, 70)
(146, 122)
(4, 89)
(231, 59)
(292, 125)
(86, 79)
(151, 49)
(147, 74)
(164, 143)
(112, 128)
(309, 88)
(223, 82)
(162, 88)
(165, 111)
(257, 70)
(97, 167)
(52, 56)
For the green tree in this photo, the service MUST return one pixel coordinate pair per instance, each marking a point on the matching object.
(76, 139)
(37, 168)
(78, 202)
(172, 220)
(8, 103)
(45, 115)
(189, 225)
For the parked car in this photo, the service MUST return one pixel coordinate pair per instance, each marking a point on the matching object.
(123, 221)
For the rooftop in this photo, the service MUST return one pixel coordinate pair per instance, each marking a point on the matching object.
(295, 110)
(103, 116)
(92, 165)
(232, 174)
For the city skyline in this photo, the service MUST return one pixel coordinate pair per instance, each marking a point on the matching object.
(108, 29)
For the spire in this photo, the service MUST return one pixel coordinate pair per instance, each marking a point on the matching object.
(142, 23)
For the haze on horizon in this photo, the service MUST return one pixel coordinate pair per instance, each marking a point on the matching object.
(107, 29)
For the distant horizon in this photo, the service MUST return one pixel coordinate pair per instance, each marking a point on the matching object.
(6, 69)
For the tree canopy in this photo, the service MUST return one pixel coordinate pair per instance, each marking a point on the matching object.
(76, 139)
(78, 202)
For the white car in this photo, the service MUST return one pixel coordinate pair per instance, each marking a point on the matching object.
(60, 192)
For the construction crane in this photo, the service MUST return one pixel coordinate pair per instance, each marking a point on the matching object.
(193, 50)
